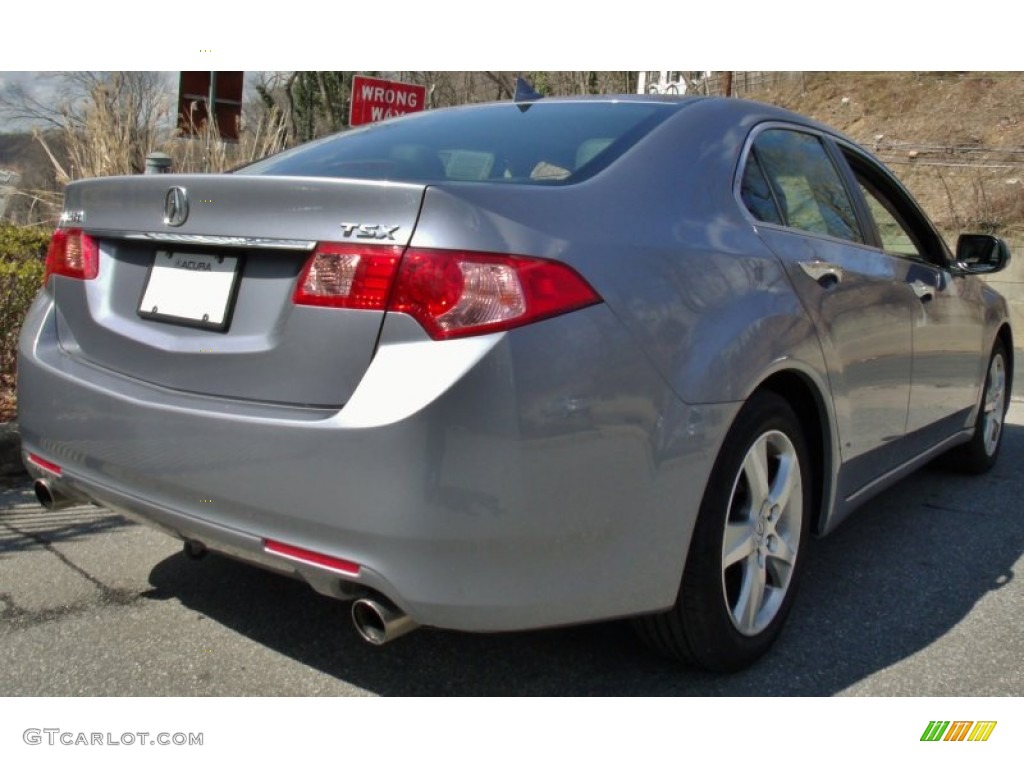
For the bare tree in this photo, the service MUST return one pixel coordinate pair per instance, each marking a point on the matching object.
(105, 123)
(101, 123)
(505, 82)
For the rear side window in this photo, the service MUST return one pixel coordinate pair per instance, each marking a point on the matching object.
(806, 190)
(757, 194)
(520, 144)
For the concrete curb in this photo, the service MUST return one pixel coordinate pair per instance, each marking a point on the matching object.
(10, 452)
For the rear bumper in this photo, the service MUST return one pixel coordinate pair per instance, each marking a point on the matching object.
(492, 483)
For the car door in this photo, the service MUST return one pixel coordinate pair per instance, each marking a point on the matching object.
(948, 323)
(796, 187)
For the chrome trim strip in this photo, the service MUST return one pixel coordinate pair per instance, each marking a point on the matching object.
(267, 243)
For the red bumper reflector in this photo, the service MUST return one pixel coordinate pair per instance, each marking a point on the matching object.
(49, 466)
(300, 555)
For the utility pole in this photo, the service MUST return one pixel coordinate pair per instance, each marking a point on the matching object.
(211, 119)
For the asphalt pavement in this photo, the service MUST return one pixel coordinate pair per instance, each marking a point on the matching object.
(916, 594)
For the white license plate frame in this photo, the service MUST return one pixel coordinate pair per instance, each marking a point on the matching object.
(193, 289)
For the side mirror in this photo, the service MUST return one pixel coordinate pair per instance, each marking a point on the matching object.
(981, 254)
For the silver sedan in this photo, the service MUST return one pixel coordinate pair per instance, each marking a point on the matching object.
(518, 365)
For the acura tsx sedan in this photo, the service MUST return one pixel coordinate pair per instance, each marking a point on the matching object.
(511, 366)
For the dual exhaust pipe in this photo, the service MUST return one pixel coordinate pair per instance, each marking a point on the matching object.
(376, 620)
(379, 622)
(52, 498)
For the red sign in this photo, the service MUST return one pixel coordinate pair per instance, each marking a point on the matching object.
(374, 99)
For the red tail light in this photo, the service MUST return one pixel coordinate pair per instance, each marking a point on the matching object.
(348, 276)
(72, 253)
(450, 293)
(460, 293)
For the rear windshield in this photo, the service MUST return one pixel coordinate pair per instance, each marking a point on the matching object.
(523, 144)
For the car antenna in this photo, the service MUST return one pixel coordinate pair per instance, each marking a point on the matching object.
(525, 93)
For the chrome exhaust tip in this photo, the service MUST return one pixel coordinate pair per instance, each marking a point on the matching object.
(378, 622)
(51, 498)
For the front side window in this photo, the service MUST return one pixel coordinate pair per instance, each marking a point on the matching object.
(895, 237)
(807, 189)
(903, 229)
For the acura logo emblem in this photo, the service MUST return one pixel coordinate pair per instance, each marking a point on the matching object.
(175, 207)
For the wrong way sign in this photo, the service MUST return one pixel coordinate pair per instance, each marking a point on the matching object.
(374, 99)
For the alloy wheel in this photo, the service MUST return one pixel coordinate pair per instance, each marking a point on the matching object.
(995, 404)
(762, 532)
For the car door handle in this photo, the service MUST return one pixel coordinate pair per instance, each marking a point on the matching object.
(923, 291)
(825, 274)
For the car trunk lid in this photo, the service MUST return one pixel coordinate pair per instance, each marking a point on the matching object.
(197, 276)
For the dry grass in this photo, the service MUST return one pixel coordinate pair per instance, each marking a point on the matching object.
(111, 137)
(205, 152)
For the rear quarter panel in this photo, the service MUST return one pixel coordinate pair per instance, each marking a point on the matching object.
(660, 236)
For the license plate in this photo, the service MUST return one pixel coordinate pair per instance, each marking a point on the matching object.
(190, 289)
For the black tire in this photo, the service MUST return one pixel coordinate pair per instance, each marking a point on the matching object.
(708, 626)
(980, 454)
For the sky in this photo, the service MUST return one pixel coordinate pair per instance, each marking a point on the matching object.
(528, 35)
(525, 35)
(26, 79)
(37, 87)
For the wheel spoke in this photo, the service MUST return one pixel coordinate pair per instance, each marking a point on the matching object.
(739, 543)
(782, 485)
(755, 468)
(995, 419)
(751, 596)
(994, 396)
(992, 402)
(780, 562)
(992, 429)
